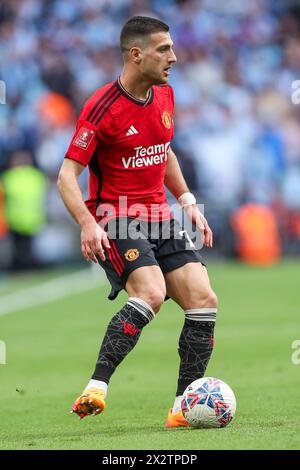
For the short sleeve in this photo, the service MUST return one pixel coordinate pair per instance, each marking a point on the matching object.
(84, 142)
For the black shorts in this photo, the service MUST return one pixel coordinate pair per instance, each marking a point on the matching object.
(135, 243)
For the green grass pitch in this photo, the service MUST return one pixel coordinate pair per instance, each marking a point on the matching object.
(52, 348)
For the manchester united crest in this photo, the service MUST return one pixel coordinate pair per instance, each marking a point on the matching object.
(166, 119)
(132, 254)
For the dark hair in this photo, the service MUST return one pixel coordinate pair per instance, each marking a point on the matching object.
(140, 27)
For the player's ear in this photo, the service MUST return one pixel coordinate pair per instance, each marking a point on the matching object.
(136, 54)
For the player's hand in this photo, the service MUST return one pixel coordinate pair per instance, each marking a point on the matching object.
(93, 241)
(201, 223)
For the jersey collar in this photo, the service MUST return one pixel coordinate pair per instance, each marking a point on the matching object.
(133, 98)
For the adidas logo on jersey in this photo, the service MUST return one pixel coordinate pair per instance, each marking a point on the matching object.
(132, 130)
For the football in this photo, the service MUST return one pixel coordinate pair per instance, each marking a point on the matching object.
(208, 403)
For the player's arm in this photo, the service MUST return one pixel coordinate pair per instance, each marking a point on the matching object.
(92, 236)
(176, 184)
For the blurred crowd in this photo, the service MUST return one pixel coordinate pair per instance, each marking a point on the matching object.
(237, 129)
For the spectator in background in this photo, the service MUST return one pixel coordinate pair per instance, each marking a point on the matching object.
(237, 131)
(25, 189)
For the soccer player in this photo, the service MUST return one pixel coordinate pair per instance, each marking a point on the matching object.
(123, 135)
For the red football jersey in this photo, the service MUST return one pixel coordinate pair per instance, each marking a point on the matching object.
(125, 142)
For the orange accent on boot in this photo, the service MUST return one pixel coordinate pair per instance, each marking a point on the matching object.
(91, 402)
(176, 421)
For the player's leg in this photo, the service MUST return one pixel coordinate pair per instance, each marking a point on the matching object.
(189, 287)
(145, 285)
(146, 290)
(188, 284)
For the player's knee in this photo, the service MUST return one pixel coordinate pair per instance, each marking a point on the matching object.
(154, 296)
(204, 299)
(212, 299)
(156, 299)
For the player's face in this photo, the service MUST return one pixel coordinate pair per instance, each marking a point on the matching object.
(157, 58)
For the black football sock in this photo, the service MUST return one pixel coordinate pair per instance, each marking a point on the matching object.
(121, 336)
(196, 344)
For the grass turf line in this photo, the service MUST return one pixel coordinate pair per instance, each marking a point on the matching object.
(51, 351)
